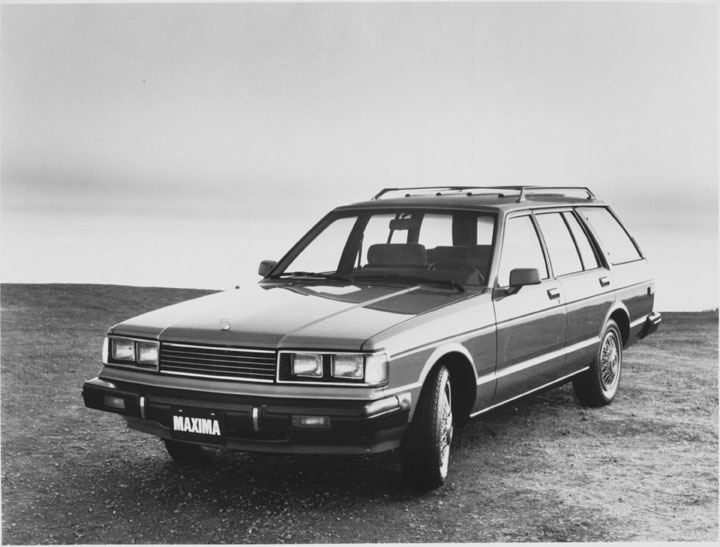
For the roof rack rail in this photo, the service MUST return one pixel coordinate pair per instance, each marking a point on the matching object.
(522, 191)
(555, 190)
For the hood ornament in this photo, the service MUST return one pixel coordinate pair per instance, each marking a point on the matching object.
(225, 324)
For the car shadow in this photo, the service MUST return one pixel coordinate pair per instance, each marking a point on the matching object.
(362, 476)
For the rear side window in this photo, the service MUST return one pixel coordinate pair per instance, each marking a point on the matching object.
(590, 261)
(564, 255)
(614, 240)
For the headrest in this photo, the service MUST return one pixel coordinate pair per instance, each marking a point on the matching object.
(396, 254)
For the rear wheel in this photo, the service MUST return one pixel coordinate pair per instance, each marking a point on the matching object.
(425, 450)
(598, 385)
(183, 452)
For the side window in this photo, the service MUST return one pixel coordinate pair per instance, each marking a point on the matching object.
(564, 255)
(521, 249)
(614, 240)
(589, 259)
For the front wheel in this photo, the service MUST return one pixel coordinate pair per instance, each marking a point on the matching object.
(598, 385)
(425, 451)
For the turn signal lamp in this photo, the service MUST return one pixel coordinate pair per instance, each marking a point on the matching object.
(311, 422)
(114, 402)
(376, 369)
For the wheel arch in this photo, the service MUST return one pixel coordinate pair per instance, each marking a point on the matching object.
(620, 315)
(463, 376)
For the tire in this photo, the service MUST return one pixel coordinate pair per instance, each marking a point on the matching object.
(598, 385)
(425, 451)
(183, 452)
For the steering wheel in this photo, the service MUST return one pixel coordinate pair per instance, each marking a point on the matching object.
(462, 264)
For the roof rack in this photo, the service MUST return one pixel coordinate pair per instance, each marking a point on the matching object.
(522, 191)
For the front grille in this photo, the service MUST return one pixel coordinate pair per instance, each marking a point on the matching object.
(218, 362)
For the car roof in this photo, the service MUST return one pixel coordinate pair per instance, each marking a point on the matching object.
(498, 199)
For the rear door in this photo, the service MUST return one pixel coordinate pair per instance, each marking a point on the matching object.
(586, 284)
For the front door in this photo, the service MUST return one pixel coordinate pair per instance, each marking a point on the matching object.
(531, 323)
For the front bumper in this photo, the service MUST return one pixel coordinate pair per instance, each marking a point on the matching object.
(259, 424)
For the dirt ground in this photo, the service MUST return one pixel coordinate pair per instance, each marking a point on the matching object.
(541, 469)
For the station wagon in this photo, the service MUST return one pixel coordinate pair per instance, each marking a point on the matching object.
(392, 322)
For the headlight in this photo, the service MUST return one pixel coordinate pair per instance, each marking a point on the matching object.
(309, 365)
(148, 353)
(123, 349)
(360, 369)
(348, 366)
(129, 351)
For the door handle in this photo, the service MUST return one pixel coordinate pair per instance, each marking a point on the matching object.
(604, 281)
(553, 293)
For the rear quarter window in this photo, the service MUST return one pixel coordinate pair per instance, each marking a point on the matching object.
(613, 238)
(589, 259)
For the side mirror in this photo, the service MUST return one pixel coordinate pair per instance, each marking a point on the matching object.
(266, 266)
(519, 277)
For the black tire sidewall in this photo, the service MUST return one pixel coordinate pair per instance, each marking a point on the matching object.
(588, 386)
(421, 448)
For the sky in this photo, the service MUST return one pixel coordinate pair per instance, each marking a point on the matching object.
(181, 144)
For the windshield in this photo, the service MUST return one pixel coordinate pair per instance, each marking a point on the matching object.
(452, 247)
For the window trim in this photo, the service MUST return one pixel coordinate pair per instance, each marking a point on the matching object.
(593, 245)
(606, 255)
(500, 244)
(572, 237)
(363, 214)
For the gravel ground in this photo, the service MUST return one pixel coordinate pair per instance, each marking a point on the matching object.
(542, 469)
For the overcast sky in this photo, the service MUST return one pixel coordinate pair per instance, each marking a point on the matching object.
(180, 144)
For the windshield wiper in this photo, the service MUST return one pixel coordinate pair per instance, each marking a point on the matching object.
(316, 275)
(410, 279)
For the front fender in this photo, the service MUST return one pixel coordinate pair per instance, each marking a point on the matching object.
(443, 351)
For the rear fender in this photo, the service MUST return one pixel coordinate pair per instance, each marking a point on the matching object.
(620, 314)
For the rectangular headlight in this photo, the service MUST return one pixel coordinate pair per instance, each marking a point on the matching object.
(122, 349)
(309, 365)
(347, 366)
(148, 353)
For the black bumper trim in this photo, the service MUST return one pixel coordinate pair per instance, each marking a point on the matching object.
(255, 423)
(651, 325)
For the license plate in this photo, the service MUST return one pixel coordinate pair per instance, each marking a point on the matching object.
(197, 424)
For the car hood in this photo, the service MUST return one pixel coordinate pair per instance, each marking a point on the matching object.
(330, 317)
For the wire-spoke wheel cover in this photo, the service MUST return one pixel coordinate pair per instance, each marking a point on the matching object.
(446, 431)
(610, 362)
